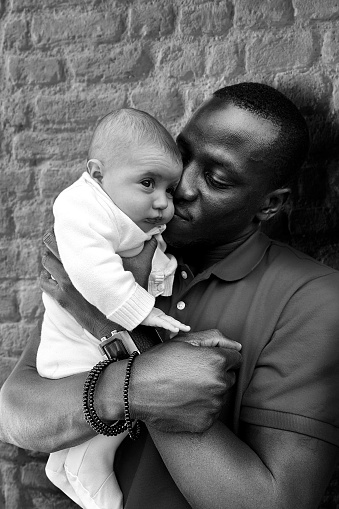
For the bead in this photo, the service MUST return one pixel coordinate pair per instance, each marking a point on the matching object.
(90, 414)
(134, 434)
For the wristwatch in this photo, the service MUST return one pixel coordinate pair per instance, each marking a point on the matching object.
(117, 345)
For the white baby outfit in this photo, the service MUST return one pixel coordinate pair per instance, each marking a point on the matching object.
(92, 234)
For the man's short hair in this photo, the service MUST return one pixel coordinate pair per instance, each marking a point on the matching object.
(121, 130)
(288, 153)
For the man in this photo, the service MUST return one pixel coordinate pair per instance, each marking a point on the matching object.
(271, 440)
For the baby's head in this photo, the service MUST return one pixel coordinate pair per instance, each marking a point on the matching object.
(137, 163)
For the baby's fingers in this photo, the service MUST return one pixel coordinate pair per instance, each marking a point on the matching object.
(171, 324)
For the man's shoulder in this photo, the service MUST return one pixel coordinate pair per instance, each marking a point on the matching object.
(290, 261)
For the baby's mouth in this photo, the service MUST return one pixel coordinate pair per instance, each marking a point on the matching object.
(154, 220)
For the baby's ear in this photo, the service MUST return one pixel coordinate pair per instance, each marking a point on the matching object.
(94, 168)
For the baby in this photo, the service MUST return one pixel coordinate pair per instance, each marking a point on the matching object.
(124, 198)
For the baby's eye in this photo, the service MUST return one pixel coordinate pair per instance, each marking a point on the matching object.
(148, 183)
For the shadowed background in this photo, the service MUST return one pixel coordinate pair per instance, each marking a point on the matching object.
(66, 63)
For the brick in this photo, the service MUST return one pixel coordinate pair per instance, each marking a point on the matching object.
(211, 18)
(279, 52)
(16, 35)
(15, 110)
(32, 5)
(19, 258)
(316, 9)
(14, 337)
(9, 311)
(328, 255)
(33, 146)
(73, 26)
(6, 222)
(151, 20)
(224, 60)
(324, 137)
(34, 70)
(6, 367)
(10, 485)
(22, 180)
(129, 63)
(33, 475)
(333, 181)
(330, 49)
(314, 221)
(162, 101)
(36, 455)
(77, 110)
(28, 217)
(336, 96)
(51, 501)
(263, 13)
(8, 451)
(184, 62)
(54, 177)
(309, 91)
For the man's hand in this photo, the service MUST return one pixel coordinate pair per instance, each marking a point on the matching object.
(208, 338)
(141, 265)
(178, 387)
(59, 287)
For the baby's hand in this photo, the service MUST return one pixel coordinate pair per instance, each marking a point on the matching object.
(157, 318)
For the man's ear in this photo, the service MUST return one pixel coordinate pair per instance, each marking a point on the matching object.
(95, 169)
(273, 203)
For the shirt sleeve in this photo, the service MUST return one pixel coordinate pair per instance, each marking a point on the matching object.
(87, 238)
(295, 382)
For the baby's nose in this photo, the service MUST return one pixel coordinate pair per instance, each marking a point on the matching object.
(161, 201)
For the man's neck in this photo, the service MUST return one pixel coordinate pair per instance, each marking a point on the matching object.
(201, 258)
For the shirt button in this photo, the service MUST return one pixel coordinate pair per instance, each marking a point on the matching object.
(181, 305)
(161, 287)
(184, 274)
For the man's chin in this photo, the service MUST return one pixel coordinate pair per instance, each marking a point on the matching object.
(176, 237)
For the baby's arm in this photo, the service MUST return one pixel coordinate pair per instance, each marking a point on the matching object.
(158, 318)
(88, 236)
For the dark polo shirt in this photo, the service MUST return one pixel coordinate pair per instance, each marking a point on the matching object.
(282, 306)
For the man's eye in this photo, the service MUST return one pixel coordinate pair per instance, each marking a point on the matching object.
(214, 182)
(148, 183)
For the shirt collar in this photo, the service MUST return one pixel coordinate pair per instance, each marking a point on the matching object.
(242, 260)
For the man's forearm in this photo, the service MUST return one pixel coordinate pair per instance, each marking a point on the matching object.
(264, 468)
(46, 415)
(215, 469)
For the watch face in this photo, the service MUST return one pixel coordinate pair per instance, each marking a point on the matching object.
(119, 345)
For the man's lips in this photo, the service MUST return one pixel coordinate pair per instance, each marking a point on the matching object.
(182, 214)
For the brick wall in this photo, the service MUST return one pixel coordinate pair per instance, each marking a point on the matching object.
(65, 63)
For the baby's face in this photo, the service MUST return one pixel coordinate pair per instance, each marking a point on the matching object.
(143, 186)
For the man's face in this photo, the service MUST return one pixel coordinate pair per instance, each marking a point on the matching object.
(224, 183)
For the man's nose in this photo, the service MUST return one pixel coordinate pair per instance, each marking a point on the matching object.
(160, 201)
(187, 188)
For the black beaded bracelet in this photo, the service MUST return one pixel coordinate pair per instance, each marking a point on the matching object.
(133, 433)
(90, 414)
